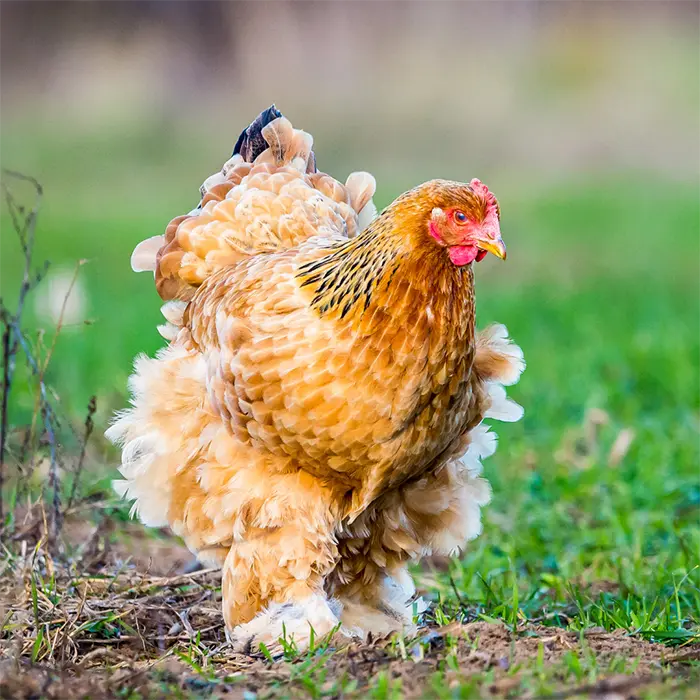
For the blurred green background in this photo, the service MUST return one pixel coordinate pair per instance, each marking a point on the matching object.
(582, 117)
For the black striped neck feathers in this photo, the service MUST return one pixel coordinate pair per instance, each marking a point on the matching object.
(393, 269)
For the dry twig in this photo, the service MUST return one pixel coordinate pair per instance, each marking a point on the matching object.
(16, 347)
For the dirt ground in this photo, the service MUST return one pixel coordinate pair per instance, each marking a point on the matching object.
(498, 650)
(91, 624)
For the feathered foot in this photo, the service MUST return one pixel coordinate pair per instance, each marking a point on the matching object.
(299, 625)
(386, 606)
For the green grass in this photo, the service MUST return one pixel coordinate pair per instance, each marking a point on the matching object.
(601, 291)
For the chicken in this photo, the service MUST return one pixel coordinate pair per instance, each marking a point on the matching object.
(315, 422)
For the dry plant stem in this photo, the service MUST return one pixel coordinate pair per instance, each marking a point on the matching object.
(24, 451)
(50, 421)
(3, 411)
(42, 404)
(37, 362)
(25, 233)
(89, 425)
(14, 340)
(53, 474)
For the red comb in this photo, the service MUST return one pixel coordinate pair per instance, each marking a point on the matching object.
(478, 187)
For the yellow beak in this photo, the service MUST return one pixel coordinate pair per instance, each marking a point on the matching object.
(495, 246)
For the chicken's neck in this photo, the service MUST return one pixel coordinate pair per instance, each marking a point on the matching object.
(393, 272)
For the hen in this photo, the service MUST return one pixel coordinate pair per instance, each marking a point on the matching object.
(315, 423)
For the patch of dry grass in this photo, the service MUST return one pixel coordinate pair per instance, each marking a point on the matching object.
(88, 623)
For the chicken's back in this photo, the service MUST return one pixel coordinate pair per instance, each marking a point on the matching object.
(268, 196)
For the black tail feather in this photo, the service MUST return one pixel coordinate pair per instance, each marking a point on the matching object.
(251, 143)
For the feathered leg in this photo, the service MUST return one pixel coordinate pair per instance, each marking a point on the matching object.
(384, 605)
(437, 513)
(273, 576)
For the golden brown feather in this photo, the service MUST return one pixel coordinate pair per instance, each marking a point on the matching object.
(315, 422)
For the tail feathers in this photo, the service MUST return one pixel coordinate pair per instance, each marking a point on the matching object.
(273, 166)
(271, 138)
(143, 259)
(251, 143)
(361, 187)
(287, 145)
(174, 312)
(366, 215)
(482, 444)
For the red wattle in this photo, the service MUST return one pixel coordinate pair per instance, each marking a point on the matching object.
(463, 254)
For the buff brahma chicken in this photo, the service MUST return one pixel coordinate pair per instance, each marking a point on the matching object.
(315, 422)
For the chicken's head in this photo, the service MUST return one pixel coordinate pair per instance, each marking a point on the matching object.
(466, 221)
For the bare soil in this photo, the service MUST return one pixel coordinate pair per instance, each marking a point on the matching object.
(99, 627)
(131, 670)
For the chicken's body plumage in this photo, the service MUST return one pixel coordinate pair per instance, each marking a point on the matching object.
(315, 422)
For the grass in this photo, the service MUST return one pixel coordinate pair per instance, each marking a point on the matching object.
(593, 527)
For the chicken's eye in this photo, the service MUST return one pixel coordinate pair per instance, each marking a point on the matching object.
(460, 217)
